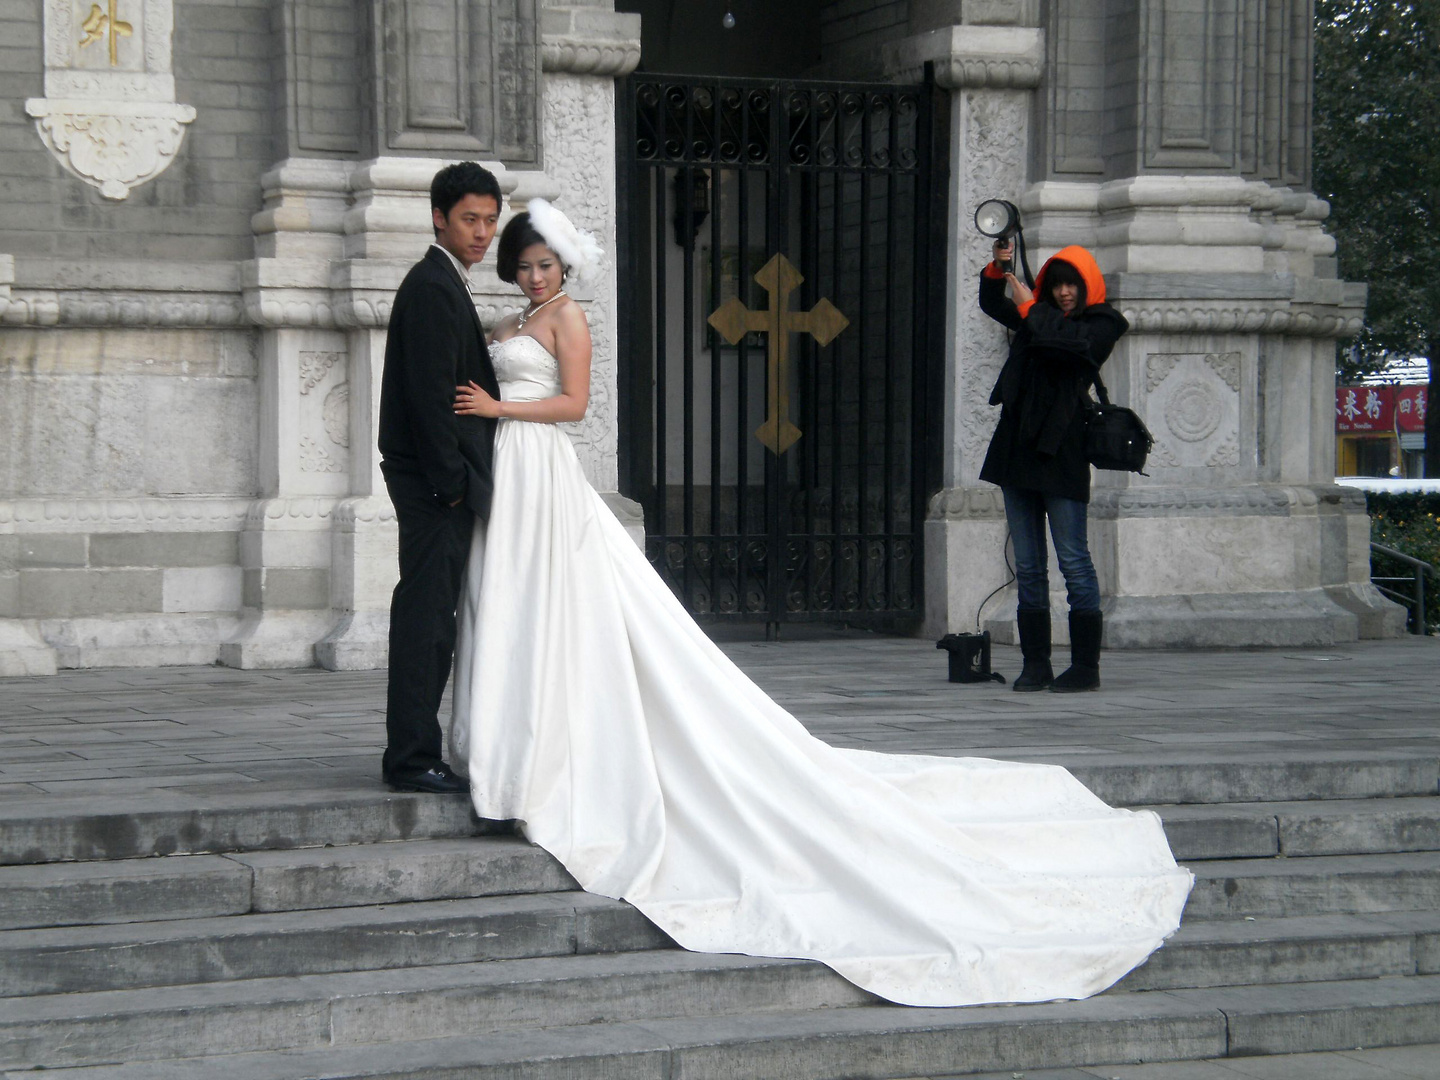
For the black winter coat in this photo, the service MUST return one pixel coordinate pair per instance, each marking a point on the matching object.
(1039, 443)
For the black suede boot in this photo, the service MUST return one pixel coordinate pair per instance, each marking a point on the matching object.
(1084, 670)
(1033, 625)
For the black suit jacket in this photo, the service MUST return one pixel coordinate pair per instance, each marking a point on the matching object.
(435, 343)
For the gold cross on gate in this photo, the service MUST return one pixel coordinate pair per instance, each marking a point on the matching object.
(733, 320)
(98, 24)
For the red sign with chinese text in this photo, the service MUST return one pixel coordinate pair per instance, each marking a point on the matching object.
(1365, 408)
(1410, 405)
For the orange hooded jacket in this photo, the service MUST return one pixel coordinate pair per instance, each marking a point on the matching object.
(1084, 264)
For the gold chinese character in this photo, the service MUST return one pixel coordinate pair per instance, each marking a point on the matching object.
(98, 24)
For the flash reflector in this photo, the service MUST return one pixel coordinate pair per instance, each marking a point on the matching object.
(997, 218)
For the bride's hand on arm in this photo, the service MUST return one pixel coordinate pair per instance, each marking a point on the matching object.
(473, 400)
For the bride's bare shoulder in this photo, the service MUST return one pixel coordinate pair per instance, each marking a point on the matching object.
(570, 315)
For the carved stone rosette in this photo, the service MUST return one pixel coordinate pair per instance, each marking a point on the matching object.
(109, 113)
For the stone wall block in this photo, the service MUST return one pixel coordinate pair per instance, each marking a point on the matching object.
(304, 212)
(286, 588)
(59, 593)
(165, 549)
(51, 550)
(199, 437)
(23, 651)
(201, 588)
(285, 547)
(126, 412)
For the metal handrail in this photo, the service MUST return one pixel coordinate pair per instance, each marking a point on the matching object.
(1416, 600)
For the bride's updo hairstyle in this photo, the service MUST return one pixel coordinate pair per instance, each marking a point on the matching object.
(519, 233)
(540, 223)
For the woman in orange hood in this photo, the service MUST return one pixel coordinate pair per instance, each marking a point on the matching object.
(1063, 332)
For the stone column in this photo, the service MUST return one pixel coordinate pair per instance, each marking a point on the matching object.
(991, 71)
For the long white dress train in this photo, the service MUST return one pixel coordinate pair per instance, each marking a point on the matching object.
(589, 706)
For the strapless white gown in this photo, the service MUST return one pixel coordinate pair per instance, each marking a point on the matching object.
(590, 706)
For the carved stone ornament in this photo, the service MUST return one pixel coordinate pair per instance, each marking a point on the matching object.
(1193, 406)
(994, 57)
(109, 113)
(585, 40)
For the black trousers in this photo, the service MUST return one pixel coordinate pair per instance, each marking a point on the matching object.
(434, 544)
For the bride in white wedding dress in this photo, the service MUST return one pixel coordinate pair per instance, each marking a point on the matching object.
(592, 709)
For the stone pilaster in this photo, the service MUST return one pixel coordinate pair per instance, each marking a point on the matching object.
(991, 70)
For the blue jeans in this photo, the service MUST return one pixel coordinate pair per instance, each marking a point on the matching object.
(1025, 512)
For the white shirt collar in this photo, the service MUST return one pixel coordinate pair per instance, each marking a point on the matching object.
(459, 266)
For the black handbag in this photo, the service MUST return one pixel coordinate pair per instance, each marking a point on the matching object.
(1115, 437)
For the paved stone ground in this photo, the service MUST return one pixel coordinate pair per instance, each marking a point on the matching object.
(112, 733)
(207, 729)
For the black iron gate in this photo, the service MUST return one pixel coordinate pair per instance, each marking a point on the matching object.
(782, 267)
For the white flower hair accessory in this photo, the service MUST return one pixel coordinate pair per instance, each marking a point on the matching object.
(578, 249)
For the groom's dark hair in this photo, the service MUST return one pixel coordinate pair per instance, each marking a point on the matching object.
(454, 182)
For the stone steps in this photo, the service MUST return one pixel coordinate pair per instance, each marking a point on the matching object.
(1295, 829)
(200, 886)
(1192, 777)
(871, 1041)
(367, 934)
(1317, 948)
(1415, 1061)
(208, 886)
(74, 959)
(90, 828)
(57, 893)
(406, 1004)
(172, 823)
(1332, 884)
(432, 1001)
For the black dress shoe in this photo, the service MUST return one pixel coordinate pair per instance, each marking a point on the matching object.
(437, 781)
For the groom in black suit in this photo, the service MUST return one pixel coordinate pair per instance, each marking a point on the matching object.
(437, 466)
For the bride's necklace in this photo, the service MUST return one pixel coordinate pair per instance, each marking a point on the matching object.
(530, 313)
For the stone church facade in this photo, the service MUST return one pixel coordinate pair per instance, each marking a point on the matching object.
(208, 204)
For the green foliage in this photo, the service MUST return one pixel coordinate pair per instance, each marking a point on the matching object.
(1377, 161)
(1409, 523)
